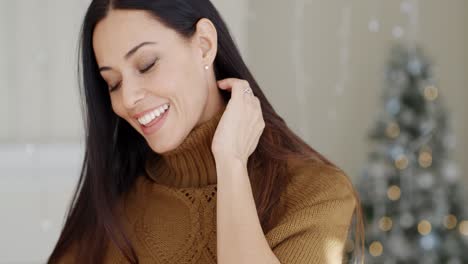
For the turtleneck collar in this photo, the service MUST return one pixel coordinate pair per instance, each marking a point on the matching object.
(191, 164)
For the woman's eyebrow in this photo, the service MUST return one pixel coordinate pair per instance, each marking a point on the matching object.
(129, 53)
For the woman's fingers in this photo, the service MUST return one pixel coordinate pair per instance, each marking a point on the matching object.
(242, 123)
(235, 86)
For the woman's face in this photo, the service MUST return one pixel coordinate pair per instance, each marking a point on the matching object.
(148, 67)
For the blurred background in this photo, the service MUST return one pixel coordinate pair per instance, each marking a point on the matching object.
(379, 87)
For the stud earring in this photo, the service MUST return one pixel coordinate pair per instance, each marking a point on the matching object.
(206, 67)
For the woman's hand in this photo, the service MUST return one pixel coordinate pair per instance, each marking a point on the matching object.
(241, 125)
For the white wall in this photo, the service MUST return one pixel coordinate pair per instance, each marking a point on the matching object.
(36, 183)
(39, 43)
(303, 86)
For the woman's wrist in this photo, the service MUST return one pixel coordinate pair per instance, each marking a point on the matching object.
(229, 161)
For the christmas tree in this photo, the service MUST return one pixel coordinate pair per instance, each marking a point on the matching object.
(412, 197)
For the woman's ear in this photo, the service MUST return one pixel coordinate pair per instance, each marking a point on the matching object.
(206, 38)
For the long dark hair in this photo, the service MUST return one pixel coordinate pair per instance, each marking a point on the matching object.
(115, 153)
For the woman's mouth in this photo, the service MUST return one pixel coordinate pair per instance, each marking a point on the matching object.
(152, 121)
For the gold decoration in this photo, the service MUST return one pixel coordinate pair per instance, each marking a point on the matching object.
(393, 130)
(394, 193)
(376, 248)
(385, 223)
(425, 159)
(431, 92)
(463, 227)
(450, 221)
(401, 162)
(424, 227)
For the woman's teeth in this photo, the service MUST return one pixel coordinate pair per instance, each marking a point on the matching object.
(146, 119)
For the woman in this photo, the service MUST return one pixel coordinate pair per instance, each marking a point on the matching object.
(186, 161)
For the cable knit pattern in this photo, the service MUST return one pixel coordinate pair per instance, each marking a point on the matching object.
(170, 214)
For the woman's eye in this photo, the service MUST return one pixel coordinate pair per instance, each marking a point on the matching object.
(148, 67)
(112, 88)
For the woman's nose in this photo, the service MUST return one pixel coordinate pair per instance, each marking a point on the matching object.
(132, 92)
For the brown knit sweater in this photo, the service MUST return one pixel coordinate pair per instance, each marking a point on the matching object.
(170, 215)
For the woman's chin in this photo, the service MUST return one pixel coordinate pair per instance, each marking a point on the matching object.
(159, 146)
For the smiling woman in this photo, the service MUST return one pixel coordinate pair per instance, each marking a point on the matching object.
(186, 160)
(145, 65)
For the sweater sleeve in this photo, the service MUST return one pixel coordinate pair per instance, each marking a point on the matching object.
(319, 205)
